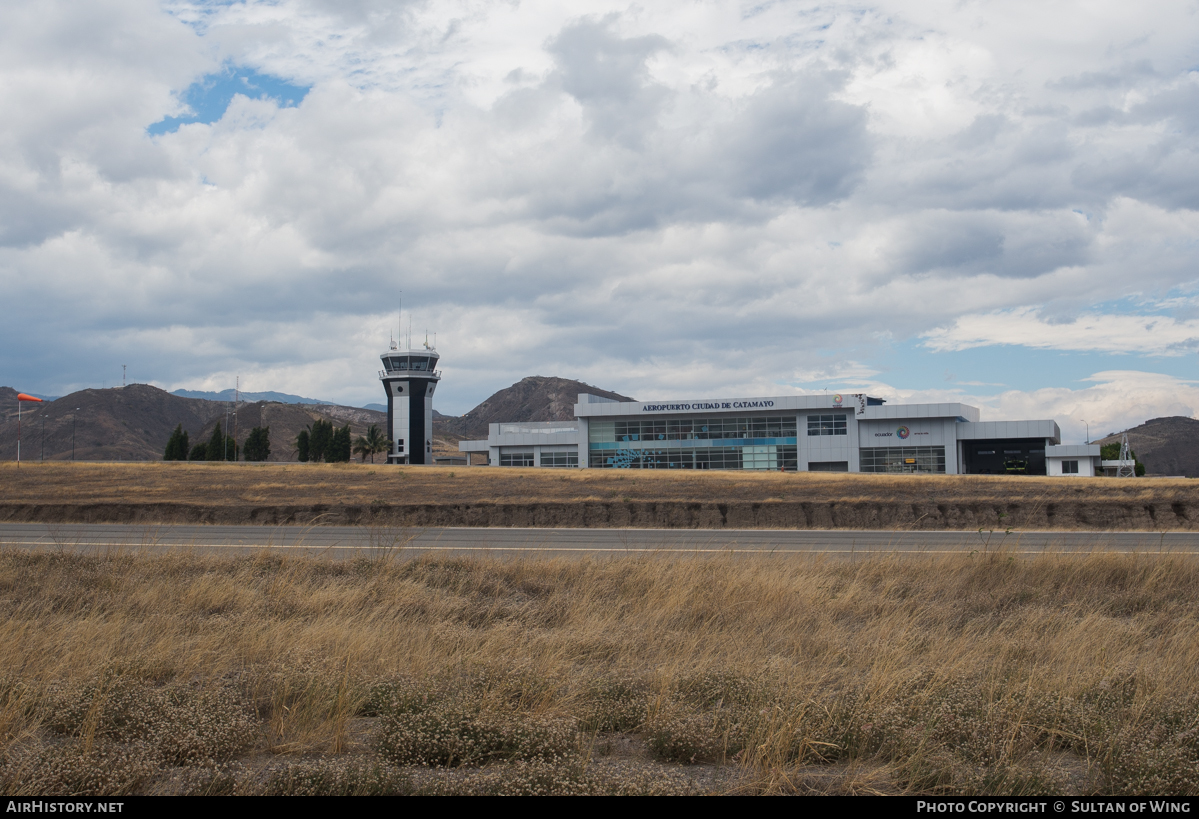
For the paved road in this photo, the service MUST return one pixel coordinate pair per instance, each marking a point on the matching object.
(350, 541)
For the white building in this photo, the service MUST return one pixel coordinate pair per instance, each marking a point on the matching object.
(1078, 460)
(812, 433)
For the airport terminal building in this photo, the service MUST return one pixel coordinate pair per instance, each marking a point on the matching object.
(804, 433)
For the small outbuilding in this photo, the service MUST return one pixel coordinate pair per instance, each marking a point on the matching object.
(1072, 460)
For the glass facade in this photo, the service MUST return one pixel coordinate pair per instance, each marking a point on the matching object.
(519, 429)
(769, 457)
(827, 425)
(524, 458)
(690, 429)
(897, 459)
(760, 443)
(559, 458)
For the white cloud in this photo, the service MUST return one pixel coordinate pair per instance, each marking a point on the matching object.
(1113, 333)
(1114, 401)
(653, 198)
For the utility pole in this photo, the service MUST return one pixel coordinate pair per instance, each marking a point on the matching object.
(43, 456)
(122, 376)
(73, 414)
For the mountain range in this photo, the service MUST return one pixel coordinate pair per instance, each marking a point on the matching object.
(133, 423)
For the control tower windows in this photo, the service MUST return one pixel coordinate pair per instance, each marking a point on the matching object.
(403, 363)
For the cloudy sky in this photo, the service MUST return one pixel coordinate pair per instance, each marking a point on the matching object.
(989, 202)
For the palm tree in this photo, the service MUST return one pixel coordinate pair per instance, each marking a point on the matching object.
(375, 441)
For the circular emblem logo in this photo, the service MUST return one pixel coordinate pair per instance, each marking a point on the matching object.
(903, 432)
(837, 399)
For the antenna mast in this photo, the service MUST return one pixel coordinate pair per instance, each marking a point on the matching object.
(1127, 467)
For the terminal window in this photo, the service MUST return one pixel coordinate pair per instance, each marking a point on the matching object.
(516, 458)
(827, 425)
(651, 430)
(559, 458)
(906, 459)
(728, 457)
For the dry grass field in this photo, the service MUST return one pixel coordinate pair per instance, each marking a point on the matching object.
(357, 493)
(981, 674)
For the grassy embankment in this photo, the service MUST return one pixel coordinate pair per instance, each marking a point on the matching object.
(965, 674)
(482, 496)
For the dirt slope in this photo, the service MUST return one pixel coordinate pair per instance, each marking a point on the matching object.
(484, 496)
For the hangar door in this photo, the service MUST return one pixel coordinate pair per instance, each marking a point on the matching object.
(1004, 456)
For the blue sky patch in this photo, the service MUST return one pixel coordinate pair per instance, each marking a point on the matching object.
(209, 97)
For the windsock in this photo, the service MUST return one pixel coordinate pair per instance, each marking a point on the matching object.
(23, 397)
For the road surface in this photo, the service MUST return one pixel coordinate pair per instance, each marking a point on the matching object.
(352, 541)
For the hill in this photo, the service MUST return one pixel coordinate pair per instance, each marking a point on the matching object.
(133, 423)
(536, 398)
(1166, 446)
(228, 395)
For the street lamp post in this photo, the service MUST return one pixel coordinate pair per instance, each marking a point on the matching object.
(1088, 430)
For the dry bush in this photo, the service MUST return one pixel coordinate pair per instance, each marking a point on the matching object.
(336, 777)
(77, 767)
(956, 674)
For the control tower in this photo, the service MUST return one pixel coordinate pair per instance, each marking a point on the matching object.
(410, 377)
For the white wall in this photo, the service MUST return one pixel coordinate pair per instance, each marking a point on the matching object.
(1053, 467)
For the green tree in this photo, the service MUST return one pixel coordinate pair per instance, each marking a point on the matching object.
(177, 446)
(258, 444)
(216, 444)
(221, 447)
(199, 452)
(1111, 452)
(340, 448)
(319, 440)
(302, 446)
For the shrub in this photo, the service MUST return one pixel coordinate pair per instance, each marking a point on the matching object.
(337, 777)
(458, 733)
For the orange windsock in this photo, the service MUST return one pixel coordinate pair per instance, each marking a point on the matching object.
(23, 397)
